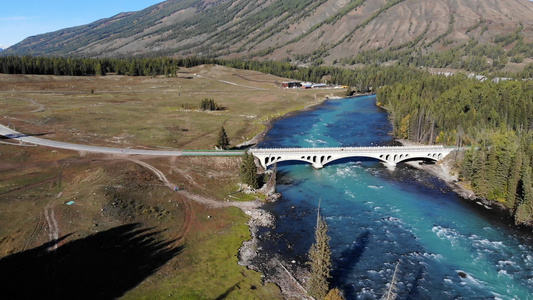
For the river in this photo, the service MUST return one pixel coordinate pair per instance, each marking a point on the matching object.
(447, 247)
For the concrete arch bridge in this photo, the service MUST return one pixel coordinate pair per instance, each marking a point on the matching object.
(319, 157)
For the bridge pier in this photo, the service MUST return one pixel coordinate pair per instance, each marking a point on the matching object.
(317, 165)
(390, 165)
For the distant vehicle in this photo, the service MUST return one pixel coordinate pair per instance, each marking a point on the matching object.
(318, 85)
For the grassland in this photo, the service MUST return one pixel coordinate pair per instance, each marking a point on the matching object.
(126, 233)
(140, 111)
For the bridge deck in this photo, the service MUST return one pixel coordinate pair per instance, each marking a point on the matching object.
(350, 149)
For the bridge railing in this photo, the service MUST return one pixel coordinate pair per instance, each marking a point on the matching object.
(356, 149)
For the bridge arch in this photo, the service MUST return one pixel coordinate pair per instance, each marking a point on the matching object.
(319, 161)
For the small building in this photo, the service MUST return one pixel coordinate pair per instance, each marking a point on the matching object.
(478, 77)
(500, 79)
(291, 84)
(447, 74)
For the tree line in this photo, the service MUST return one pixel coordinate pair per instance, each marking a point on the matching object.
(494, 119)
(61, 66)
(363, 79)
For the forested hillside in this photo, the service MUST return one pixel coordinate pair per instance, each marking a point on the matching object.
(472, 35)
(494, 119)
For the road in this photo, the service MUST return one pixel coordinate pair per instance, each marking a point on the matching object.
(14, 135)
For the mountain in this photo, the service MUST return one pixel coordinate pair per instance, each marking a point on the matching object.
(314, 31)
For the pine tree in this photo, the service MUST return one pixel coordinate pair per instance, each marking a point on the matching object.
(209, 104)
(249, 171)
(223, 140)
(203, 104)
(466, 164)
(132, 69)
(479, 179)
(99, 71)
(513, 180)
(320, 261)
(349, 91)
(524, 210)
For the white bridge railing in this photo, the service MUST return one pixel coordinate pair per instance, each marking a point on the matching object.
(329, 149)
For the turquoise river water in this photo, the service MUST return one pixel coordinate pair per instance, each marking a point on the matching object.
(448, 247)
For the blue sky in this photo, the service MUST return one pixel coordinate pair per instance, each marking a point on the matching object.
(20, 19)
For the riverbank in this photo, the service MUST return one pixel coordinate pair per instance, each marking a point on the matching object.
(445, 171)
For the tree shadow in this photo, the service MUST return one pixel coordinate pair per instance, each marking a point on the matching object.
(349, 258)
(104, 265)
(12, 136)
(413, 292)
(228, 291)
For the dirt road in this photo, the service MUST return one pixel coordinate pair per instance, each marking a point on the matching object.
(210, 202)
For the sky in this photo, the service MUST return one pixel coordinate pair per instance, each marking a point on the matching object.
(20, 19)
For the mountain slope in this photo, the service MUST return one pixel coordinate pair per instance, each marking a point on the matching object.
(306, 30)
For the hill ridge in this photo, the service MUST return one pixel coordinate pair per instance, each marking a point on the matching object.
(306, 31)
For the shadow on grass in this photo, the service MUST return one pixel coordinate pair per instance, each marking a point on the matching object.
(228, 291)
(101, 266)
(12, 136)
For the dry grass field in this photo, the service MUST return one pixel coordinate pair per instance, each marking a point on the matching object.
(126, 233)
(149, 112)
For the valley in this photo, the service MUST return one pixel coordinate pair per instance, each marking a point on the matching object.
(182, 75)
